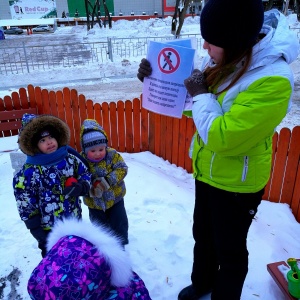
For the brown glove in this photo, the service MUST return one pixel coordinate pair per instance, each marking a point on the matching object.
(195, 84)
(144, 70)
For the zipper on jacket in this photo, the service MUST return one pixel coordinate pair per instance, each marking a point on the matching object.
(191, 149)
(211, 164)
(245, 169)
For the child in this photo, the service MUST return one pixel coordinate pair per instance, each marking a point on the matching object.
(106, 199)
(85, 261)
(41, 186)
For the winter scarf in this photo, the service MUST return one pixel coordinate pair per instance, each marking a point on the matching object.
(48, 159)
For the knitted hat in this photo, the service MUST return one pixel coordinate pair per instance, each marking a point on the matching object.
(232, 23)
(34, 126)
(45, 133)
(42, 134)
(92, 139)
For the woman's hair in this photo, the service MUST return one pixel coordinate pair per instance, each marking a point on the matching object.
(216, 75)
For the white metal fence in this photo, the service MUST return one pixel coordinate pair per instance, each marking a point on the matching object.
(24, 58)
(28, 58)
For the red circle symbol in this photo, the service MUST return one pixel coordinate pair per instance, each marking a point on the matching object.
(168, 60)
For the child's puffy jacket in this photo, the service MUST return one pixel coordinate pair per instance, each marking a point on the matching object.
(85, 261)
(113, 168)
(39, 189)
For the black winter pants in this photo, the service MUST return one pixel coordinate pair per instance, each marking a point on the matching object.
(221, 223)
(42, 244)
(114, 218)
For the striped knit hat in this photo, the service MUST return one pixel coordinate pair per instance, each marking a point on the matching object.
(92, 139)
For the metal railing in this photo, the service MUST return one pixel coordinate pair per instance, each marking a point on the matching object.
(23, 58)
(27, 58)
(135, 47)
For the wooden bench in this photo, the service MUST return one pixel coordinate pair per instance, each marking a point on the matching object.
(10, 120)
(279, 278)
(10, 124)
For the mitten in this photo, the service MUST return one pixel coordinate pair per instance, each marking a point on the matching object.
(39, 234)
(95, 192)
(144, 70)
(101, 183)
(76, 189)
(195, 84)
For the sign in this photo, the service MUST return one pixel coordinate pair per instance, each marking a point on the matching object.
(32, 9)
(168, 60)
(164, 91)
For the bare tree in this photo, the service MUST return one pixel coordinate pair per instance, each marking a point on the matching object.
(286, 4)
(93, 10)
(174, 19)
(295, 5)
(286, 7)
(107, 15)
(297, 9)
(181, 7)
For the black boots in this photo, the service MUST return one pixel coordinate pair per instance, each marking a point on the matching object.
(189, 293)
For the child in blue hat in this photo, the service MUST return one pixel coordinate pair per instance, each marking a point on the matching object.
(41, 186)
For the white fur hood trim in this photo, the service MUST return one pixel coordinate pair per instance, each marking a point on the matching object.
(105, 241)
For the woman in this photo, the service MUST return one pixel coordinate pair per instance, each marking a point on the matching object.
(240, 94)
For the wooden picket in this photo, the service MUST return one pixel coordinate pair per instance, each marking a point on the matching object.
(131, 128)
(284, 183)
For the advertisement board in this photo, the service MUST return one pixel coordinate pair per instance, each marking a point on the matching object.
(32, 9)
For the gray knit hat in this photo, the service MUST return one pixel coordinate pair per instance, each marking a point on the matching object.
(92, 139)
(232, 24)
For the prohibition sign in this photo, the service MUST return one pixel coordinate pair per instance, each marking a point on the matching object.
(168, 60)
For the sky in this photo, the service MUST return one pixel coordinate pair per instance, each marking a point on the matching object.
(159, 203)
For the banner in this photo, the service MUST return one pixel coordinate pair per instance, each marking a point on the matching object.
(32, 9)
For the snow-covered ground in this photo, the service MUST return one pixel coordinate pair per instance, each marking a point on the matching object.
(159, 204)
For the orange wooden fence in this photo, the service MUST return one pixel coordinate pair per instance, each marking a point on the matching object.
(133, 129)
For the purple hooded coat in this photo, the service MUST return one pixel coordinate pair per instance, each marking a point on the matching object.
(84, 261)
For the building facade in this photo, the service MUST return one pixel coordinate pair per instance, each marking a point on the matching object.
(22, 9)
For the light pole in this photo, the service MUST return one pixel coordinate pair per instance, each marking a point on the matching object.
(162, 9)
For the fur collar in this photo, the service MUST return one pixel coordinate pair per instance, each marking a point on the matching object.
(105, 241)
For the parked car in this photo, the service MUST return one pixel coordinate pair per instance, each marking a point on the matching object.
(41, 28)
(13, 30)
